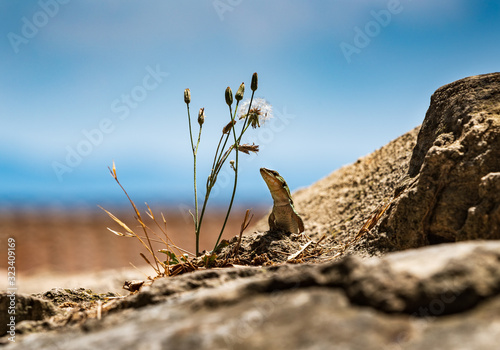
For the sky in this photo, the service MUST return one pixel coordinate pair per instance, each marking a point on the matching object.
(86, 83)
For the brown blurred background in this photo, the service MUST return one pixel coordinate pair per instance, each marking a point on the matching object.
(66, 248)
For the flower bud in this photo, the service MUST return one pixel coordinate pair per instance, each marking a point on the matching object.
(229, 96)
(255, 82)
(201, 116)
(187, 96)
(240, 92)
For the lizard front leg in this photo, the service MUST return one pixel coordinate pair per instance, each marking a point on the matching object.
(272, 223)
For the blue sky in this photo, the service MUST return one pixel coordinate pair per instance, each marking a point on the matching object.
(105, 80)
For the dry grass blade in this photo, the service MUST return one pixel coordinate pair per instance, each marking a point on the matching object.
(99, 309)
(367, 226)
(121, 223)
(113, 171)
(149, 247)
(244, 225)
(373, 219)
(131, 234)
(120, 234)
(164, 231)
(300, 251)
(144, 257)
(135, 267)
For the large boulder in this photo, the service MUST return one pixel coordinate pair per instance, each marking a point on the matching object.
(452, 188)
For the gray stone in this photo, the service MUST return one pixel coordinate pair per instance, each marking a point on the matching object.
(451, 191)
(26, 307)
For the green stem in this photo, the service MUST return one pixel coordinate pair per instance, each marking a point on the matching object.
(201, 219)
(236, 146)
(195, 151)
(196, 220)
(219, 162)
(245, 123)
(190, 132)
(216, 153)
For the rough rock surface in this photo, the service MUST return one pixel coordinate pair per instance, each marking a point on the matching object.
(452, 190)
(26, 307)
(404, 300)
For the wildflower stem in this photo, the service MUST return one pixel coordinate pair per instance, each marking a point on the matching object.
(221, 159)
(217, 151)
(212, 178)
(195, 151)
(196, 218)
(190, 132)
(236, 165)
(205, 201)
(246, 124)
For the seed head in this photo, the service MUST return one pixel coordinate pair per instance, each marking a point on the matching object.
(253, 117)
(260, 111)
(201, 116)
(229, 96)
(187, 96)
(255, 82)
(240, 92)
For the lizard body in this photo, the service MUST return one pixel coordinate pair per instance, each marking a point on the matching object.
(283, 217)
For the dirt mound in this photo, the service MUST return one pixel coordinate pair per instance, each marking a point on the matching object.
(337, 206)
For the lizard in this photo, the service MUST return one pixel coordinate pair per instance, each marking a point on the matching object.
(283, 217)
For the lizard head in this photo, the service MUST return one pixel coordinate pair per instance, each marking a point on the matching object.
(276, 184)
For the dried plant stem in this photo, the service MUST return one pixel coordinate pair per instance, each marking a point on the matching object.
(166, 242)
(148, 246)
(244, 225)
